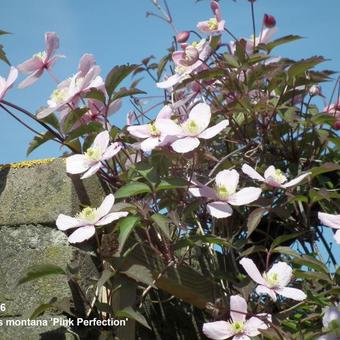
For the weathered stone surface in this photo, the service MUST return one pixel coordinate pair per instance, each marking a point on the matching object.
(38, 193)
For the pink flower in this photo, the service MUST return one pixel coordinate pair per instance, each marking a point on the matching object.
(213, 25)
(239, 327)
(157, 133)
(274, 281)
(6, 84)
(40, 61)
(334, 111)
(88, 219)
(70, 90)
(183, 71)
(195, 127)
(225, 193)
(91, 161)
(332, 221)
(273, 177)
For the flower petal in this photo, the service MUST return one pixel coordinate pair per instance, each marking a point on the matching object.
(219, 209)
(251, 269)
(31, 79)
(82, 234)
(214, 130)
(202, 191)
(30, 65)
(283, 271)
(218, 330)
(337, 237)
(165, 112)
(291, 293)
(140, 131)
(77, 164)
(167, 127)
(92, 170)
(171, 81)
(201, 114)
(86, 62)
(270, 172)
(112, 150)
(295, 180)
(267, 291)
(228, 179)
(238, 303)
(251, 172)
(102, 141)
(106, 206)
(329, 220)
(244, 196)
(51, 43)
(254, 324)
(111, 217)
(150, 143)
(186, 144)
(65, 222)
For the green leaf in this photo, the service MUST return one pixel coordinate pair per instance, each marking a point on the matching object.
(284, 40)
(315, 276)
(116, 76)
(284, 238)
(231, 60)
(327, 167)
(162, 65)
(301, 66)
(52, 120)
(163, 223)
(130, 313)
(171, 183)
(139, 273)
(148, 171)
(105, 276)
(81, 131)
(3, 56)
(39, 140)
(311, 262)
(125, 227)
(4, 32)
(73, 117)
(254, 219)
(286, 251)
(95, 94)
(124, 92)
(132, 189)
(41, 270)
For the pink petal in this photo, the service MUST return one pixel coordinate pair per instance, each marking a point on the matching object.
(254, 324)
(112, 150)
(114, 106)
(238, 304)
(65, 222)
(106, 206)
(170, 82)
(167, 127)
(267, 34)
(177, 56)
(214, 130)
(270, 172)
(86, 62)
(284, 272)
(31, 79)
(337, 237)
(12, 76)
(46, 112)
(244, 196)
(102, 141)
(51, 43)
(140, 131)
(329, 220)
(76, 164)
(251, 172)
(111, 217)
(150, 143)
(30, 65)
(241, 337)
(295, 180)
(82, 234)
(266, 291)
(186, 144)
(219, 209)
(92, 170)
(228, 179)
(203, 27)
(201, 114)
(203, 191)
(218, 330)
(165, 112)
(292, 293)
(251, 269)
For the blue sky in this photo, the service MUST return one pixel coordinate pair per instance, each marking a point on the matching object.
(117, 31)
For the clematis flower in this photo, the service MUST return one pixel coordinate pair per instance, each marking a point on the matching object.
(239, 327)
(91, 161)
(157, 133)
(195, 127)
(225, 193)
(41, 61)
(273, 177)
(331, 317)
(333, 110)
(88, 219)
(183, 71)
(70, 90)
(332, 221)
(274, 281)
(213, 25)
(6, 84)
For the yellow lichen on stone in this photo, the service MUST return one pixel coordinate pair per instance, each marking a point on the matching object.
(26, 164)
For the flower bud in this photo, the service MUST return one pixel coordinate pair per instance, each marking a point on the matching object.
(215, 6)
(315, 90)
(182, 37)
(269, 21)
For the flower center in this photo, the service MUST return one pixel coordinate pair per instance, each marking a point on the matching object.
(222, 192)
(153, 130)
(238, 327)
(213, 24)
(88, 214)
(272, 279)
(93, 154)
(40, 55)
(181, 69)
(279, 177)
(191, 127)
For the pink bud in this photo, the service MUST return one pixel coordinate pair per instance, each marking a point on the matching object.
(214, 6)
(182, 37)
(336, 125)
(269, 21)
